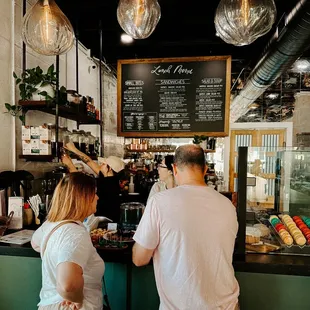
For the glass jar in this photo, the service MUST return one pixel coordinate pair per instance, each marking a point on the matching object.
(83, 141)
(131, 213)
(91, 144)
(74, 138)
(66, 136)
(60, 137)
(97, 147)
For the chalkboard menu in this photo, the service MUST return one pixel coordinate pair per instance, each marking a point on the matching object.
(174, 97)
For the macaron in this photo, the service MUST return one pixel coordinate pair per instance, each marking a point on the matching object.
(275, 221)
(288, 240)
(301, 241)
(279, 226)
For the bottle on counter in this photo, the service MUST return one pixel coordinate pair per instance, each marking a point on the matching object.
(27, 215)
(131, 185)
(97, 115)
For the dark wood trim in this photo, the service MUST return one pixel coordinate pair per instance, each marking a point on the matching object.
(119, 98)
(242, 202)
(174, 59)
(121, 62)
(227, 96)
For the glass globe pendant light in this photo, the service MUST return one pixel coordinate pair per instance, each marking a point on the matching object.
(138, 18)
(47, 30)
(241, 22)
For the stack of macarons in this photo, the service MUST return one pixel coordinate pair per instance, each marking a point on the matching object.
(281, 230)
(303, 227)
(306, 220)
(294, 230)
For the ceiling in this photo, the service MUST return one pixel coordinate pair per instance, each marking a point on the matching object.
(186, 28)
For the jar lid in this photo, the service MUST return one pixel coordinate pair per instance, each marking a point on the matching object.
(131, 205)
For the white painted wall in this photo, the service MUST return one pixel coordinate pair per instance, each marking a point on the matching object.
(6, 90)
(11, 60)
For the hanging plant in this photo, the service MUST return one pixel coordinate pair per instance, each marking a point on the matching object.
(34, 82)
(15, 110)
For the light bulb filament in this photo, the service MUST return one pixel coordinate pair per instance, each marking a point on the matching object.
(245, 11)
(45, 23)
(139, 12)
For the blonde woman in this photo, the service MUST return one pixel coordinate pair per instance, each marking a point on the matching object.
(72, 270)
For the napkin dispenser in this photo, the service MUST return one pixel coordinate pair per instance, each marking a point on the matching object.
(16, 204)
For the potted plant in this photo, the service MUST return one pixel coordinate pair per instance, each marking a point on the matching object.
(15, 111)
(201, 140)
(36, 85)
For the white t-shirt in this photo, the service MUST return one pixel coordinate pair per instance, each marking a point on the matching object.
(156, 188)
(70, 243)
(193, 231)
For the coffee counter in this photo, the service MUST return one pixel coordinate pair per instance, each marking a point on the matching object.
(254, 263)
(269, 276)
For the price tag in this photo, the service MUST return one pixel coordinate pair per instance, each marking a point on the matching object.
(112, 226)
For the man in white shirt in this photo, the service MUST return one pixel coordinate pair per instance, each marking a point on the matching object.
(190, 232)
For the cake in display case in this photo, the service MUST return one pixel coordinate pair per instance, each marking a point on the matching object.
(277, 201)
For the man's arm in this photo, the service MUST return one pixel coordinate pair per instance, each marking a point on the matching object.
(140, 255)
(147, 235)
(84, 158)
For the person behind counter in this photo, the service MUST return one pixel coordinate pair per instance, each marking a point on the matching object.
(166, 178)
(190, 231)
(72, 270)
(109, 171)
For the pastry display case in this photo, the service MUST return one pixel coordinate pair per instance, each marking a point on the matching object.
(274, 200)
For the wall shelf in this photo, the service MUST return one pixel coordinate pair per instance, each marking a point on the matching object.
(68, 112)
(48, 158)
(44, 158)
(151, 151)
(160, 151)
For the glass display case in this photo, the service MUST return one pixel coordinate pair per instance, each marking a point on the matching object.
(275, 197)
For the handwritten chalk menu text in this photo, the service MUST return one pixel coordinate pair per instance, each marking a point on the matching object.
(174, 97)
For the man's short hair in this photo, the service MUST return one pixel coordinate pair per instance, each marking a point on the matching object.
(190, 155)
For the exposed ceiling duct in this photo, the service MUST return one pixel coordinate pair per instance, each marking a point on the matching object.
(281, 53)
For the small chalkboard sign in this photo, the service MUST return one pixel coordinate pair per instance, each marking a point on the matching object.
(174, 97)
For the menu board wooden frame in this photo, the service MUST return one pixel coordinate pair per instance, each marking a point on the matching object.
(145, 134)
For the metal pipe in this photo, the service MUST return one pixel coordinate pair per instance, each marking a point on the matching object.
(101, 88)
(13, 134)
(57, 110)
(279, 56)
(24, 45)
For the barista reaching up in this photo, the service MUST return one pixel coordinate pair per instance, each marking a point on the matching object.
(108, 188)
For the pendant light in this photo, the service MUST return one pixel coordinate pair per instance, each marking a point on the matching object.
(47, 30)
(241, 22)
(138, 18)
